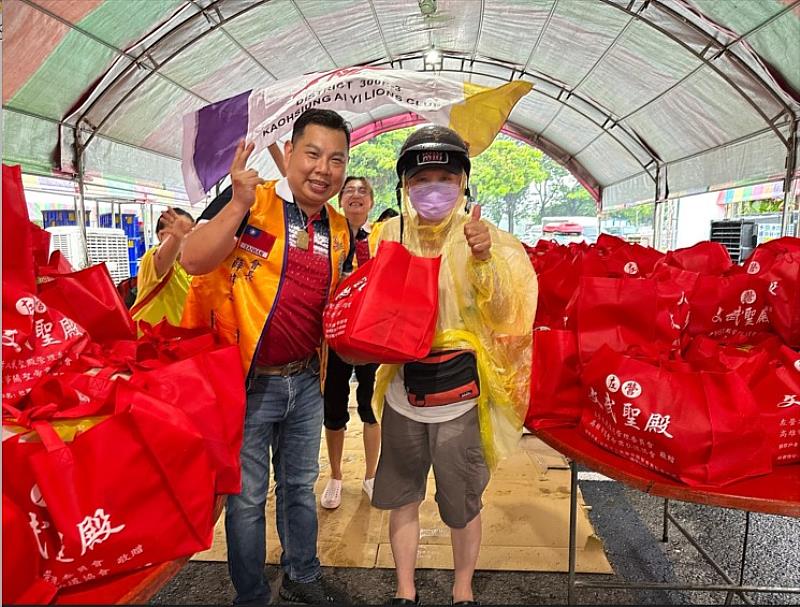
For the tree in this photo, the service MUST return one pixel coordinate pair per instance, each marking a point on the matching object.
(572, 200)
(511, 180)
(502, 175)
(762, 207)
(637, 216)
(375, 159)
(551, 189)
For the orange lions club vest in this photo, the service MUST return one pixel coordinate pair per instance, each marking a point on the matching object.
(238, 298)
(372, 240)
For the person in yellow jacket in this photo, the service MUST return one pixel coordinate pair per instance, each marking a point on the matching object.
(265, 264)
(356, 200)
(461, 408)
(162, 283)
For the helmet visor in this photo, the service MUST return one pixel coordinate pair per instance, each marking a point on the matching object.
(419, 160)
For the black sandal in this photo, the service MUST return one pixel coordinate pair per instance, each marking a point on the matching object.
(401, 601)
(472, 602)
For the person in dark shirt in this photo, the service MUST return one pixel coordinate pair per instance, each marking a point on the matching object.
(356, 200)
(387, 213)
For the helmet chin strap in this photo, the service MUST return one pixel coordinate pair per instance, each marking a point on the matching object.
(398, 191)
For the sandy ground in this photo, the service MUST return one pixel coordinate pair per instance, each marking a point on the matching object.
(628, 522)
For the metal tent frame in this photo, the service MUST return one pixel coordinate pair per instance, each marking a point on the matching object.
(618, 142)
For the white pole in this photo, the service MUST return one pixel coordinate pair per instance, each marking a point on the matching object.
(788, 184)
(80, 201)
(656, 213)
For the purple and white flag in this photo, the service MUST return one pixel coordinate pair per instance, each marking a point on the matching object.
(210, 135)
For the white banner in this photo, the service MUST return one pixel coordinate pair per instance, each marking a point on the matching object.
(268, 115)
(273, 110)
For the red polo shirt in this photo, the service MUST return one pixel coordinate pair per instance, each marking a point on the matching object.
(294, 330)
(362, 246)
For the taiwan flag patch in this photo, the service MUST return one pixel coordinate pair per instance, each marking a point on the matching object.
(255, 241)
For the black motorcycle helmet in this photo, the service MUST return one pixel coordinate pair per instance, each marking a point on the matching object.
(433, 146)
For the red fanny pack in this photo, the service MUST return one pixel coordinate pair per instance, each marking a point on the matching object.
(443, 378)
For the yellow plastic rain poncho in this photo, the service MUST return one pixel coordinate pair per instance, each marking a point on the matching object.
(484, 306)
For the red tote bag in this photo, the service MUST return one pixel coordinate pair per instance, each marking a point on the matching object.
(779, 267)
(53, 342)
(613, 257)
(135, 489)
(704, 258)
(645, 314)
(67, 395)
(90, 298)
(386, 311)
(777, 391)
(18, 266)
(56, 265)
(556, 393)
(19, 279)
(730, 307)
(22, 561)
(558, 282)
(40, 245)
(159, 345)
(749, 361)
(698, 427)
(209, 388)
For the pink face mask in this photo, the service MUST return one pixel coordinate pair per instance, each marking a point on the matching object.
(434, 201)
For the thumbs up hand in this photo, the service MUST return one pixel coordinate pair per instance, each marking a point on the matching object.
(478, 237)
(244, 180)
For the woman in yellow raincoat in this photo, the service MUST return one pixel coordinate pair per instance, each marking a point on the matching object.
(461, 409)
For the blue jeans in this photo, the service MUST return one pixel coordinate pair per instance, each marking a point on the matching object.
(284, 413)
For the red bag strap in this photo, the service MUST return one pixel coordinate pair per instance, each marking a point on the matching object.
(10, 414)
(152, 294)
(106, 373)
(28, 417)
(50, 438)
(59, 397)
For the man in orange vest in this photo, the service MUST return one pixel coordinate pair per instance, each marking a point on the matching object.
(264, 266)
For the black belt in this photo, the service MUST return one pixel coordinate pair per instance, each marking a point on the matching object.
(287, 370)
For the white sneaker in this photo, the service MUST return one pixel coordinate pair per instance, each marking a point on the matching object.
(332, 496)
(368, 486)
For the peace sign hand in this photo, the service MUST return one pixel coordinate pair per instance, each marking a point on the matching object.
(244, 180)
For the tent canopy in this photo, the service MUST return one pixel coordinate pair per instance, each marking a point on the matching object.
(638, 98)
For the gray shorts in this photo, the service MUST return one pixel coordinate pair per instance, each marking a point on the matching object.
(409, 448)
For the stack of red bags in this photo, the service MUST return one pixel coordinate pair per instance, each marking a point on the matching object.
(685, 363)
(114, 447)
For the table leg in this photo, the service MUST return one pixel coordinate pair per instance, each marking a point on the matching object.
(573, 525)
(729, 596)
(707, 557)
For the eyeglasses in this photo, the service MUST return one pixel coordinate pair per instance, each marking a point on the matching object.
(362, 191)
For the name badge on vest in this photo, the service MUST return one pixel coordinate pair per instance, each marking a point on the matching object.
(255, 241)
